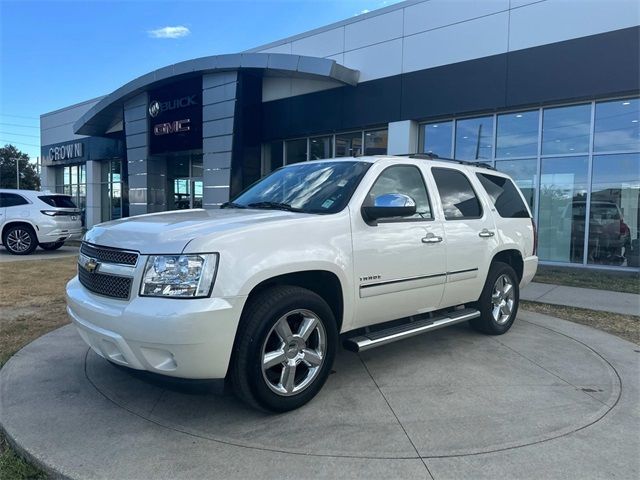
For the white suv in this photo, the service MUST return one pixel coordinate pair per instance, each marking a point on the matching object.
(364, 250)
(29, 218)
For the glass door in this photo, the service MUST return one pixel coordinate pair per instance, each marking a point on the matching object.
(184, 174)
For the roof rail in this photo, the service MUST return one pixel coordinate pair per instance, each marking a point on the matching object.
(433, 156)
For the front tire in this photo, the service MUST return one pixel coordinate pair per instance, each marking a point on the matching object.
(51, 245)
(20, 240)
(284, 350)
(499, 300)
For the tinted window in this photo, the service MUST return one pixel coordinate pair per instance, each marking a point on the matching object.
(504, 195)
(61, 201)
(11, 200)
(437, 137)
(459, 200)
(474, 138)
(407, 180)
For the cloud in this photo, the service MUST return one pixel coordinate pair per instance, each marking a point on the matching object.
(169, 32)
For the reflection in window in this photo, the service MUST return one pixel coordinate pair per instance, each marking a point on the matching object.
(407, 180)
(457, 195)
(111, 191)
(474, 138)
(436, 138)
(565, 130)
(349, 144)
(562, 212)
(375, 142)
(296, 151)
(617, 126)
(615, 213)
(320, 147)
(524, 173)
(517, 134)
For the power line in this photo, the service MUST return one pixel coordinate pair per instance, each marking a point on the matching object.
(18, 125)
(18, 116)
(19, 134)
(19, 143)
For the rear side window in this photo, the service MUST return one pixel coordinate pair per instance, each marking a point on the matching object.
(11, 200)
(504, 195)
(459, 200)
(61, 201)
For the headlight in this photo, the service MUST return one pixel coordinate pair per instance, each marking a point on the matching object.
(184, 276)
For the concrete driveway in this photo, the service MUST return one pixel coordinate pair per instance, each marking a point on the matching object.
(550, 399)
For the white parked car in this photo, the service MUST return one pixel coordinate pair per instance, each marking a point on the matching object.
(29, 219)
(364, 250)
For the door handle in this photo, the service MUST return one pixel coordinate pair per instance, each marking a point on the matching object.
(431, 238)
(486, 233)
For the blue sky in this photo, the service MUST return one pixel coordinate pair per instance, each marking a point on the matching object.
(56, 53)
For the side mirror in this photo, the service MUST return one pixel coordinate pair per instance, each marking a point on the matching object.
(389, 205)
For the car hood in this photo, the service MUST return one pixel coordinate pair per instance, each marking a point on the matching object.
(170, 232)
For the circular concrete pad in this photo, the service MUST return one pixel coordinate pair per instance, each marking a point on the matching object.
(450, 393)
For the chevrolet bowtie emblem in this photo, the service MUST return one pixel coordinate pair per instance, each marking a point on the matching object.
(91, 265)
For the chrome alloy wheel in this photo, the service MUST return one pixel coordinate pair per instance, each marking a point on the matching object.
(502, 299)
(18, 240)
(293, 352)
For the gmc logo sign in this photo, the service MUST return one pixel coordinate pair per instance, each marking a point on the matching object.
(179, 126)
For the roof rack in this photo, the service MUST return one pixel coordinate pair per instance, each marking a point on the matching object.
(433, 156)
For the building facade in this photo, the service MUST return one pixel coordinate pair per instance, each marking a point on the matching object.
(547, 91)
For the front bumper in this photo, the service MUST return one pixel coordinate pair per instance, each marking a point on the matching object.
(529, 270)
(185, 338)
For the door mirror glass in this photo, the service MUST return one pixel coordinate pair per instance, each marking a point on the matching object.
(389, 205)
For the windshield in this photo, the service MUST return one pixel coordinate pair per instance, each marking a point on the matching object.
(322, 187)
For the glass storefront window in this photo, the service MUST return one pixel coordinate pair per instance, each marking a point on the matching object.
(375, 142)
(474, 139)
(349, 144)
(436, 138)
(565, 130)
(562, 211)
(295, 151)
(273, 155)
(517, 134)
(617, 126)
(615, 213)
(111, 190)
(524, 172)
(320, 147)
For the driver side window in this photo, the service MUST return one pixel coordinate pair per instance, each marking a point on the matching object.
(406, 180)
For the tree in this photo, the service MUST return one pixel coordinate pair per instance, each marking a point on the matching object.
(29, 178)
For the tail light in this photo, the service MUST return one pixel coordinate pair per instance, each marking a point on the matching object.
(535, 237)
(57, 213)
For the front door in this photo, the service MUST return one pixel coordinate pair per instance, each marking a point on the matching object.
(399, 263)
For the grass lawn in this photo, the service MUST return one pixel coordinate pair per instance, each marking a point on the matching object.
(628, 282)
(32, 304)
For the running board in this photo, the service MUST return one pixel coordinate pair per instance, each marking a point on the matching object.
(369, 340)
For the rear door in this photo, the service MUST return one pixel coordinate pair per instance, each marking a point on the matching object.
(399, 263)
(470, 234)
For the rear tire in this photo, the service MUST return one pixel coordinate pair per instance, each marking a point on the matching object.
(51, 245)
(499, 300)
(20, 240)
(284, 350)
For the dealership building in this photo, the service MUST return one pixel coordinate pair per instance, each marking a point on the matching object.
(547, 91)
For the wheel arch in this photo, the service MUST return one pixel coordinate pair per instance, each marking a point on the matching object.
(13, 223)
(322, 282)
(513, 258)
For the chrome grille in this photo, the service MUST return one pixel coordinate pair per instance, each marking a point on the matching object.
(108, 285)
(109, 255)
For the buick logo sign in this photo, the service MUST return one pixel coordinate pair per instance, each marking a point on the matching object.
(154, 108)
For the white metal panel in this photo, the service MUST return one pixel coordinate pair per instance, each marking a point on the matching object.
(373, 30)
(376, 61)
(464, 41)
(284, 48)
(559, 20)
(320, 45)
(58, 134)
(300, 86)
(338, 58)
(439, 13)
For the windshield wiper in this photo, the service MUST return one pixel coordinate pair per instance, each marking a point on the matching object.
(232, 205)
(275, 206)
